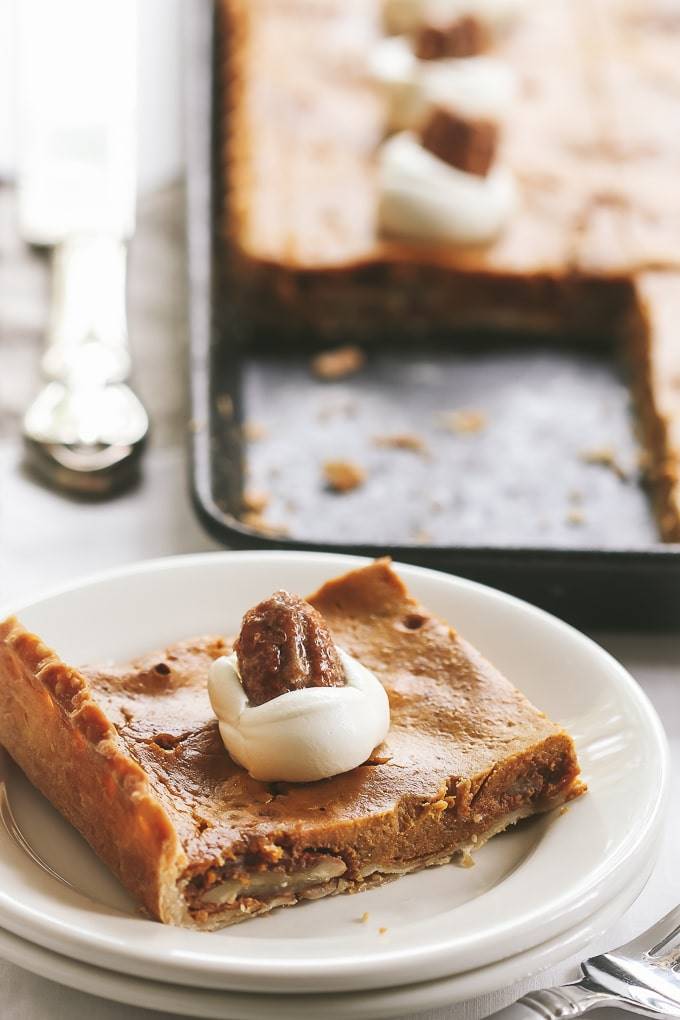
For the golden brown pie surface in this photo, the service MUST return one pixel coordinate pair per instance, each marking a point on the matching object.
(589, 138)
(143, 774)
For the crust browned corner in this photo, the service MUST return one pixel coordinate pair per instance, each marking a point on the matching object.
(131, 755)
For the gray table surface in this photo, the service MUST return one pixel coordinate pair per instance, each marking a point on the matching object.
(47, 539)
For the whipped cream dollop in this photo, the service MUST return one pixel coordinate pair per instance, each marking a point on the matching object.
(407, 15)
(424, 198)
(483, 87)
(301, 735)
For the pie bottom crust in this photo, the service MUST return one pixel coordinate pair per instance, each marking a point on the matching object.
(376, 876)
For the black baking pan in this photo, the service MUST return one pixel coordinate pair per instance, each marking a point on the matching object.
(538, 491)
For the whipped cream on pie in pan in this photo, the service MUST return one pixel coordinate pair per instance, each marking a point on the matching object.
(481, 86)
(292, 707)
(439, 179)
(424, 198)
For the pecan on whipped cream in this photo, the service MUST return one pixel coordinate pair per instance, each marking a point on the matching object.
(291, 705)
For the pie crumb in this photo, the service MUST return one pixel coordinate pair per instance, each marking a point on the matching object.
(255, 500)
(382, 931)
(338, 363)
(402, 441)
(464, 420)
(576, 516)
(606, 457)
(364, 917)
(254, 431)
(343, 475)
(422, 536)
(257, 522)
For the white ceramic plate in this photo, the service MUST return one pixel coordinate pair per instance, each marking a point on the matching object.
(528, 886)
(377, 1004)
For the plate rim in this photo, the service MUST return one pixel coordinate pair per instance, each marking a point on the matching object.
(369, 1004)
(235, 973)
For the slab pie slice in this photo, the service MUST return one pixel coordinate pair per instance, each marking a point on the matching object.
(132, 757)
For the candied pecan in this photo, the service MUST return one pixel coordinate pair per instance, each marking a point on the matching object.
(467, 144)
(464, 37)
(284, 645)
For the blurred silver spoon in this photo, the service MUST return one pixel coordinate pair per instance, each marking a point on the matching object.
(85, 429)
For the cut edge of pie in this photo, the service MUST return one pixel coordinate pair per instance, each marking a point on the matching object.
(655, 352)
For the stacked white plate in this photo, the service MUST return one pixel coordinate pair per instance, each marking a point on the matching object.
(537, 895)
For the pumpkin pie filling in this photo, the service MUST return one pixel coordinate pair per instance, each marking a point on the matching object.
(142, 772)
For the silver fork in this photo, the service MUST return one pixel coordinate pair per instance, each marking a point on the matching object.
(643, 976)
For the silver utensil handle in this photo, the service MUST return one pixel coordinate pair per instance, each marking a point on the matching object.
(87, 338)
(561, 1003)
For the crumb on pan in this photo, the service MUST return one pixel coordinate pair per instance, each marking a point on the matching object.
(605, 456)
(463, 420)
(402, 441)
(338, 363)
(364, 917)
(422, 536)
(253, 431)
(255, 500)
(382, 931)
(343, 475)
(576, 516)
(257, 522)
